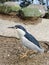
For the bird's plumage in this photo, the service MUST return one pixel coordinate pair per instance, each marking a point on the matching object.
(32, 39)
(20, 27)
(28, 35)
(27, 39)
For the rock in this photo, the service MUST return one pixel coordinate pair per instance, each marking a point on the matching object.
(41, 8)
(10, 3)
(4, 9)
(15, 6)
(29, 11)
(40, 31)
(34, 11)
(5, 31)
(9, 7)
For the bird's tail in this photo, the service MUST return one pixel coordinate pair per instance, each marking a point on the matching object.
(41, 50)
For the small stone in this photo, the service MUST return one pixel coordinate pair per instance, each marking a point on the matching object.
(47, 51)
(8, 55)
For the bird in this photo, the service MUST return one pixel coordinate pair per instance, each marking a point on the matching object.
(27, 39)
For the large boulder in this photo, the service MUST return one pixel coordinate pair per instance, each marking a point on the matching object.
(14, 6)
(8, 7)
(33, 11)
(41, 8)
(4, 9)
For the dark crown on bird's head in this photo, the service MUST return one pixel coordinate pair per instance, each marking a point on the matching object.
(20, 27)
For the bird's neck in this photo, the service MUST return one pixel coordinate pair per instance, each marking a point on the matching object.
(20, 36)
(21, 33)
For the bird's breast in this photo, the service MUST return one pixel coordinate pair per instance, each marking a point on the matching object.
(29, 44)
(24, 40)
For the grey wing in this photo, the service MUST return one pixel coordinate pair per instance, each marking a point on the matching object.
(32, 39)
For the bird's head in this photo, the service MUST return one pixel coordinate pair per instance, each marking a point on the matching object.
(20, 29)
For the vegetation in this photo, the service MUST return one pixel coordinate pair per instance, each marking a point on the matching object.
(4, 1)
(4, 9)
(7, 9)
(12, 0)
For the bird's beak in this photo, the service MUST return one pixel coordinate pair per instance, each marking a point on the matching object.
(11, 27)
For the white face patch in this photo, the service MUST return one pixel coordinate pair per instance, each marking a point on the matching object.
(20, 32)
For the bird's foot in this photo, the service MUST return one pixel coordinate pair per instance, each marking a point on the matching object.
(23, 55)
(27, 53)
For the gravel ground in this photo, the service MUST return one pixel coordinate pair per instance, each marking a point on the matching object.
(12, 52)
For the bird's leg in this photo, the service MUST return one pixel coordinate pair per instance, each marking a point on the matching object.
(27, 53)
(24, 55)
